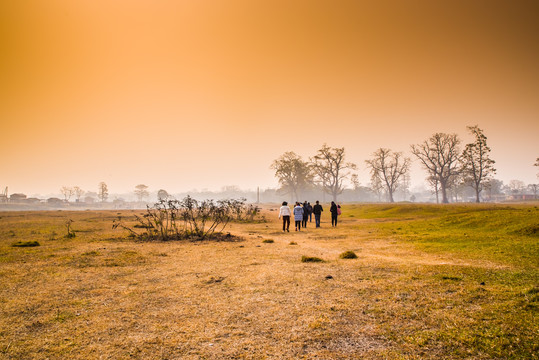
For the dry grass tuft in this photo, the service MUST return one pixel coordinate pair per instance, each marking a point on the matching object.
(348, 255)
(311, 259)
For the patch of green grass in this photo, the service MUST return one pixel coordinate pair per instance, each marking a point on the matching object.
(448, 277)
(25, 244)
(531, 230)
(533, 291)
(63, 316)
(91, 253)
(506, 234)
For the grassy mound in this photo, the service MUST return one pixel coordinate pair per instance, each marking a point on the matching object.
(348, 255)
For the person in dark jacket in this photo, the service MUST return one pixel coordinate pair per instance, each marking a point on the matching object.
(317, 211)
(310, 208)
(305, 214)
(334, 213)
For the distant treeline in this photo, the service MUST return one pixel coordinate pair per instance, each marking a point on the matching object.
(454, 174)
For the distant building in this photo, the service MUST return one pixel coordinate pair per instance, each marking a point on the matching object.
(32, 200)
(119, 203)
(54, 201)
(89, 200)
(17, 197)
(521, 197)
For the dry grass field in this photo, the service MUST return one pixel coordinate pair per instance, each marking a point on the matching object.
(429, 282)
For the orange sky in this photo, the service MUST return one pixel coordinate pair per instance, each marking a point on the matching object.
(201, 94)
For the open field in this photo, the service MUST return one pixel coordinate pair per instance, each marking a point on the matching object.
(430, 282)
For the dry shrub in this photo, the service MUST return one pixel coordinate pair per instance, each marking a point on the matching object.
(348, 255)
(311, 259)
(188, 219)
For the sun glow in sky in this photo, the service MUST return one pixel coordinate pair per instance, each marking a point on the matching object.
(201, 94)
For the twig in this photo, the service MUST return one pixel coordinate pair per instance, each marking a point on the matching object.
(7, 347)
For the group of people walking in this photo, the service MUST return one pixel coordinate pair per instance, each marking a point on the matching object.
(303, 213)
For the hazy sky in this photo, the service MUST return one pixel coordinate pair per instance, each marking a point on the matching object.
(206, 93)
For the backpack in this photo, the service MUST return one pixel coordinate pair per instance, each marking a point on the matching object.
(338, 209)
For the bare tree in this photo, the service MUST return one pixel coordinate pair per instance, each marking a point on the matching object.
(435, 184)
(457, 187)
(403, 190)
(534, 188)
(494, 187)
(331, 169)
(537, 164)
(440, 156)
(389, 168)
(377, 187)
(141, 191)
(354, 179)
(477, 166)
(293, 174)
(162, 195)
(516, 186)
(102, 192)
(67, 192)
(78, 193)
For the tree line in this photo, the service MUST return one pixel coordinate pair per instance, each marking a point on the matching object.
(448, 169)
(68, 192)
(102, 194)
(446, 164)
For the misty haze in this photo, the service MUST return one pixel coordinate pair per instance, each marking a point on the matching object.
(269, 179)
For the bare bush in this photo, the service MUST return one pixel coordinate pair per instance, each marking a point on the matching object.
(241, 211)
(188, 218)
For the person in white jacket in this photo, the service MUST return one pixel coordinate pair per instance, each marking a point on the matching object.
(298, 216)
(285, 213)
